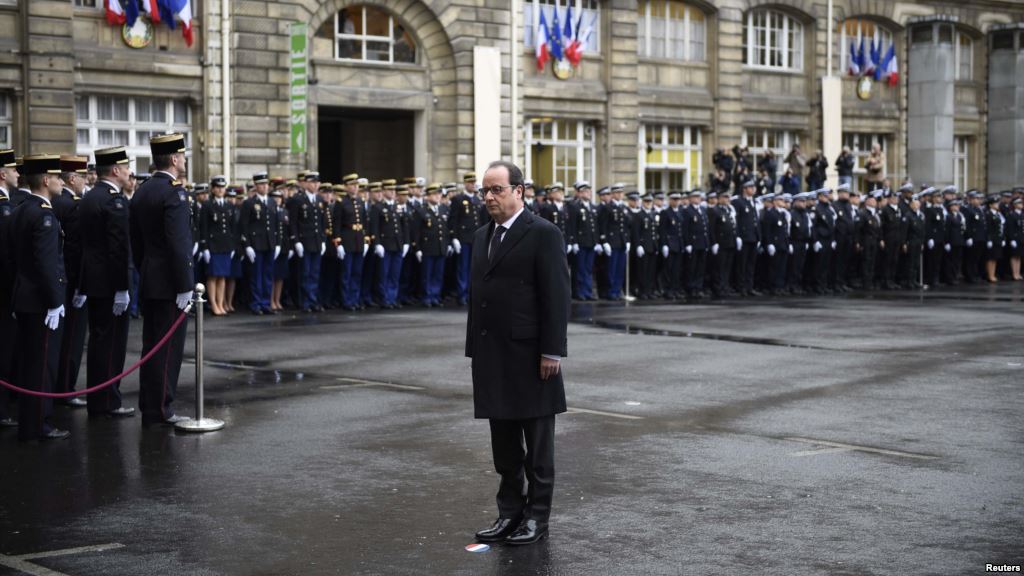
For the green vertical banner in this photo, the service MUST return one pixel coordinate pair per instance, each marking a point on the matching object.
(298, 92)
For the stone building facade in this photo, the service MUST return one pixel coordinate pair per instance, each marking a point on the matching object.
(661, 85)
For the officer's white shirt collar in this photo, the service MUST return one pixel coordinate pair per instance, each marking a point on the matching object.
(44, 198)
(109, 183)
(311, 196)
(165, 172)
(508, 223)
(261, 197)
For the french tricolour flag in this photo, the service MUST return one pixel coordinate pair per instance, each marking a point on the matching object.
(542, 42)
(854, 65)
(169, 9)
(152, 10)
(114, 12)
(891, 72)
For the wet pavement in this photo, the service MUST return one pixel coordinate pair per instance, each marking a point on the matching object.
(864, 434)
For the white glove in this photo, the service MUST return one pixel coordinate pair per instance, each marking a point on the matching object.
(300, 250)
(568, 248)
(341, 252)
(405, 250)
(419, 256)
(664, 251)
(195, 248)
(366, 248)
(790, 248)
(250, 254)
(948, 247)
(457, 245)
(607, 248)
(206, 256)
(970, 242)
(277, 252)
(1013, 243)
(1003, 244)
(714, 249)
(689, 249)
(817, 246)
(931, 243)
(771, 249)
(232, 255)
(598, 249)
(53, 315)
(739, 244)
(291, 254)
(629, 246)
(378, 250)
(450, 251)
(575, 248)
(183, 301)
(639, 251)
(988, 244)
(78, 300)
(323, 248)
(121, 300)
(833, 244)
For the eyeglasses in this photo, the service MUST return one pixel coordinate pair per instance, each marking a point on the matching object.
(496, 190)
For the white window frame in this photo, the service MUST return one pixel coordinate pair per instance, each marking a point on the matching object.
(777, 41)
(961, 161)
(784, 140)
(692, 174)
(646, 38)
(963, 55)
(362, 38)
(96, 4)
(882, 35)
(591, 10)
(582, 141)
(137, 147)
(6, 121)
(860, 144)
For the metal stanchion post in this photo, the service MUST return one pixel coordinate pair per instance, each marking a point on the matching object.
(628, 297)
(199, 423)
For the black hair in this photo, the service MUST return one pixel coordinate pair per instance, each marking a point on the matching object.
(34, 181)
(515, 175)
(162, 162)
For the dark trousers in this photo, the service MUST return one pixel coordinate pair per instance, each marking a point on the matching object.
(352, 278)
(72, 343)
(973, 257)
(777, 268)
(822, 261)
(310, 279)
(616, 272)
(910, 271)
(37, 359)
(368, 281)
(932, 264)
(647, 273)
(8, 338)
(108, 342)
(867, 266)
(462, 260)
(890, 263)
(585, 273)
(797, 260)
(674, 273)
(432, 277)
(695, 263)
(158, 378)
(842, 261)
(524, 450)
(951, 264)
(409, 285)
(746, 263)
(261, 280)
(724, 258)
(388, 273)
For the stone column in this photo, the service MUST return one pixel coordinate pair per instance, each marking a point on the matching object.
(1006, 107)
(930, 110)
(50, 78)
(621, 130)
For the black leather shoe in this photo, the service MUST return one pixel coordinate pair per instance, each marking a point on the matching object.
(501, 528)
(528, 532)
(75, 402)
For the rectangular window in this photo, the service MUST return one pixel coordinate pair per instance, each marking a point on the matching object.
(5, 121)
(559, 151)
(670, 29)
(860, 148)
(586, 21)
(370, 34)
(773, 40)
(760, 140)
(961, 161)
(88, 3)
(964, 57)
(852, 31)
(103, 121)
(670, 157)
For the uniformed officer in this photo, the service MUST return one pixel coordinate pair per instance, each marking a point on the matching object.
(106, 278)
(644, 237)
(696, 241)
(391, 244)
(935, 236)
(671, 230)
(775, 236)
(748, 238)
(915, 241)
(554, 211)
(845, 237)
(38, 295)
(869, 239)
(330, 260)
(217, 243)
(76, 322)
(305, 214)
(583, 235)
(974, 243)
(198, 202)
(432, 245)
(259, 232)
(995, 242)
(529, 195)
(161, 250)
(8, 326)
(613, 234)
(284, 257)
(350, 218)
(371, 264)
(956, 235)
(823, 238)
(463, 220)
(893, 238)
(800, 232)
(1015, 234)
(724, 242)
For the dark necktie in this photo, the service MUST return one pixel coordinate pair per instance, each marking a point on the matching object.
(499, 233)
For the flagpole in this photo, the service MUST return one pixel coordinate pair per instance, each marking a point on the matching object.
(513, 90)
(225, 86)
(829, 38)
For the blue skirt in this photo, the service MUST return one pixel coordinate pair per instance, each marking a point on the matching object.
(220, 265)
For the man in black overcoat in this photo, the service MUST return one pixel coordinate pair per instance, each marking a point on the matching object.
(516, 334)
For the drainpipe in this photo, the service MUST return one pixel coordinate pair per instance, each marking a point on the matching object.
(514, 82)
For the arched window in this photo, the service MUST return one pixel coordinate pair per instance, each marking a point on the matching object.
(773, 40)
(670, 29)
(369, 34)
(852, 31)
